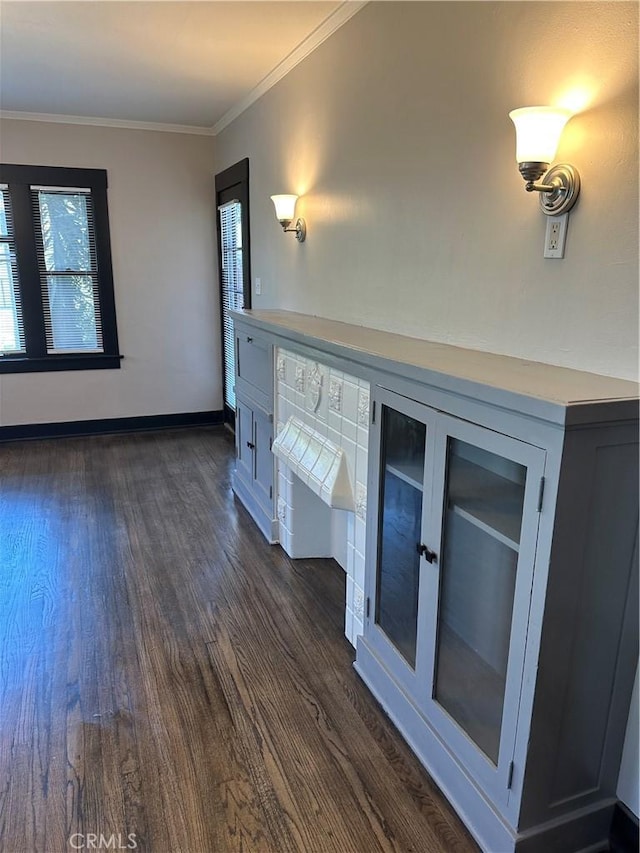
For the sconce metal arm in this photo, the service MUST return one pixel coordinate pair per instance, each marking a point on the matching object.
(300, 229)
(531, 187)
(560, 190)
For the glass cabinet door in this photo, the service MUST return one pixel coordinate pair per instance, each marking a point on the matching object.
(400, 522)
(399, 441)
(486, 530)
(481, 536)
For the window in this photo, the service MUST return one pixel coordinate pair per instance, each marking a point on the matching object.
(234, 255)
(231, 276)
(57, 309)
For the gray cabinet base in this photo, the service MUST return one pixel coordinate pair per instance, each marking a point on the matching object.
(267, 524)
(584, 831)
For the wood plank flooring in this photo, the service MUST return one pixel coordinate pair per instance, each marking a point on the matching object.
(170, 681)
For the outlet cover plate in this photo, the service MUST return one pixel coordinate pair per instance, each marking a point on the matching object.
(555, 236)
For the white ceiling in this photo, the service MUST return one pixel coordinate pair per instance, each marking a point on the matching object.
(193, 64)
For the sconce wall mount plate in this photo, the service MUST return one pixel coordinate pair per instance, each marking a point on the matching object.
(300, 228)
(565, 181)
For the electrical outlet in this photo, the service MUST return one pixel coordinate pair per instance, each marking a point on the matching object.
(258, 286)
(555, 236)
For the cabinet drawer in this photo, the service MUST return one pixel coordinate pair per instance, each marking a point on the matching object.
(253, 361)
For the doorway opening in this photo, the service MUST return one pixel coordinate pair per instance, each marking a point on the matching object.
(234, 265)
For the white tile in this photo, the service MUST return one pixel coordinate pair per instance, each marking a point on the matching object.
(360, 495)
(356, 630)
(314, 383)
(323, 405)
(335, 395)
(350, 401)
(334, 436)
(358, 568)
(358, 602)
(334, 420)
(325, 494)
(299, 446)
(288, 439)
(350, 592)
(314, 483)
(363, 438)
(349, 448)
(360, 535)
(351, 528)
(362, 462)
(349, 429)
(351, 560)
(282, 406)
(323, 464)
(322, 428)
(348, 626)
(311, 454)
(363, 408)
(285, 539)
(284, 471)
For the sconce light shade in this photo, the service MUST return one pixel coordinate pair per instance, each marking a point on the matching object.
(538, 132)
(285, 205)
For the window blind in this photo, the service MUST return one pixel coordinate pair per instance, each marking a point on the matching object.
(68, 267)
(11, 321)
(232, 287)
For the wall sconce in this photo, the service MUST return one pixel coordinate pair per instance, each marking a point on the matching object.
(538, 132)
(285, 206)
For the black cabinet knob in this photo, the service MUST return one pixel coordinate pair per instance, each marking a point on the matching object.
(429, 555)
(250, 446)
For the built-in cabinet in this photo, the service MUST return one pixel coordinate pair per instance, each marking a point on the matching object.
(454, 513)
(501, 627)
(501, 618)
(254, 472)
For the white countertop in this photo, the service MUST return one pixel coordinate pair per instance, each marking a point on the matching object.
(559, 385)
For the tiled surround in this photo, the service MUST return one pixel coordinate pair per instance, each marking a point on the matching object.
(315, 460)
(336, 405)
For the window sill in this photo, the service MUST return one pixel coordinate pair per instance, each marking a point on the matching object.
(12, 364)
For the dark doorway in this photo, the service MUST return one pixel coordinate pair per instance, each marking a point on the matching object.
(234, 264)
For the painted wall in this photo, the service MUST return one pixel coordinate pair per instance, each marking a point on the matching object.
(395, 132)
(396, 135)
(162, 220)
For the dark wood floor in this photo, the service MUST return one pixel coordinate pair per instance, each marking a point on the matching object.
(167, 674)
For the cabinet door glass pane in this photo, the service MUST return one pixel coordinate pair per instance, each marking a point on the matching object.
(403, 449)
(481, 538)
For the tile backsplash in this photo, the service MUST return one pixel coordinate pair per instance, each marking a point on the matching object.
(336, 405)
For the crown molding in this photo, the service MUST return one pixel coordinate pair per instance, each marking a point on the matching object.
(342, 14)
(95, 121)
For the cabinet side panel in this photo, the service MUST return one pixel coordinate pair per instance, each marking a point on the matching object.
(609, 549)
(589, 641)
